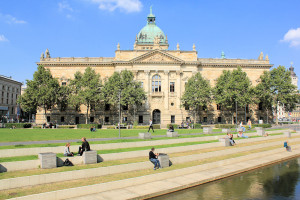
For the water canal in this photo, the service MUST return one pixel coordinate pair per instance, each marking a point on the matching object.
(276, 182)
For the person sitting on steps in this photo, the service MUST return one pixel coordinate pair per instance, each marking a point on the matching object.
(67, 150)
(84, 147)
(153, 158)
(171, 128)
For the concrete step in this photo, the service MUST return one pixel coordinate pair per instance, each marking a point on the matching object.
(77, 160)
(101, 171)
(160, 183)
(37, 150)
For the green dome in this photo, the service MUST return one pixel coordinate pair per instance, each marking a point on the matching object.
(150, 32)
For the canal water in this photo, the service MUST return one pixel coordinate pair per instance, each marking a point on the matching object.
(276, 182)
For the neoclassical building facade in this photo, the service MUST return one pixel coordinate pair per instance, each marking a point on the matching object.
(162, 72)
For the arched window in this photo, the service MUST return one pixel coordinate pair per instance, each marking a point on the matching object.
(156, 83)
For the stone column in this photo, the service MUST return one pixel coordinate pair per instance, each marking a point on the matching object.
(167, 90)
(178, 88)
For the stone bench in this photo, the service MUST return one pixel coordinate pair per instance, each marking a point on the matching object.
(47, 160)
(89, 157)
(145, 136)
(164, 160)
(260, 131)
(225, 130)
(172, 134)
(287, 134)
(207, 130)
(225, 142)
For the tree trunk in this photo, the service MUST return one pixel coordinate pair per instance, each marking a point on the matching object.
(267, 116)
(276, 114)
(45, 113)
(195, 119)
(87, 113)
(134, 111)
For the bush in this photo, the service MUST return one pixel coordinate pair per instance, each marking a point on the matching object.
(18, 125)
(197, 126)
(66, 126)
(37, 127)
(88, 126)
(225, 126)
(110, 127)
(262, 125)
(174, 125)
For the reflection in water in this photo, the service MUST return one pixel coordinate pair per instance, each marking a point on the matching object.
(278, 182)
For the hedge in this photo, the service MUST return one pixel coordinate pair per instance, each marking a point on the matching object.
(155, 126)
(110, 127)
(262, 125)
(174, 125)
(66, 126)
(88, 126)
(197, 126)
(225, 126)
(18, 125)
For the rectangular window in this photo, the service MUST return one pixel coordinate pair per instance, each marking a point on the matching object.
(186, 107)
(48, 118)
(12, 110)
(92, 108)
(142, 84)
(218, 107)
(187, 119)
(204, 119)
(172, 119)
(107, 107)
(219, 119)
(204, 107)
(64, 83)
(92, 119)
(172, 86)
(106, 119)
(62, 119)
(260, 106)
(141, 119)
(125, 119)
(125, 107)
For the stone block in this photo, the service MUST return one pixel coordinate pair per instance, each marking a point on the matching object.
(260, 121)
(261, 132)
(164, 160)
(207, 130)
(287, 134)
(225, 130)
(48, 160)
(225, 142)
(258, 128)
(172, 134)
(89, 157)
(145, 136)
(239, 129)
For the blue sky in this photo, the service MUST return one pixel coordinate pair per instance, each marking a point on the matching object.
(93, 28)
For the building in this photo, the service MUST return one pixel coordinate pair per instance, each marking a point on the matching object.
(295, 114)
(163, 74)
(9, 90)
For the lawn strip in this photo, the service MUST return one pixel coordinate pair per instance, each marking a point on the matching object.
(5, 194)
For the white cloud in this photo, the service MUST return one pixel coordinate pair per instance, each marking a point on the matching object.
(11, 20)
(292, 37)
(3, 38)
(127, 6)
(62, 6)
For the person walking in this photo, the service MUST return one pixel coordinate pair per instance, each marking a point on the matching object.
(150, 126)
(249, 124)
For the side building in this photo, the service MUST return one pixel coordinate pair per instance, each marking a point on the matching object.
(10, 90)
(163, 74)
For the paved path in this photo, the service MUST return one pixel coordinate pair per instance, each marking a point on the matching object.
(294, 127)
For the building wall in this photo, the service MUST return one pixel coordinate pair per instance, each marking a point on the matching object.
(9, 92)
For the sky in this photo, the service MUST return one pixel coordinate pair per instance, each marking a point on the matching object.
(93, 28)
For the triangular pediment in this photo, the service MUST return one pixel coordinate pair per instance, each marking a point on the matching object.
(156, 56)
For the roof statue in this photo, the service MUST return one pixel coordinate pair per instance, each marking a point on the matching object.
(118, 46)
(194, 47)
(267, 57)
(42, 56)
(47, 53)
(261, 56)
(223, 55)
(178, 47)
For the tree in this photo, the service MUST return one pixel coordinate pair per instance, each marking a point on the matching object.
(284, 93)
(40, 92)
(263, 93)
(197, 94)
(122, 85)
(233, 89)
(85, 89)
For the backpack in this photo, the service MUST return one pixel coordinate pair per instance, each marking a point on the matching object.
(67, 162)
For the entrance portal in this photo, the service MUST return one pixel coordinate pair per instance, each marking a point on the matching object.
(156, 116)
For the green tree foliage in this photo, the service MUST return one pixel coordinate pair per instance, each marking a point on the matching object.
(263, 93)
(123, 84)
(42, 91)
(85, 89)
(197, 94)
(233, 87)
(284, 93)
